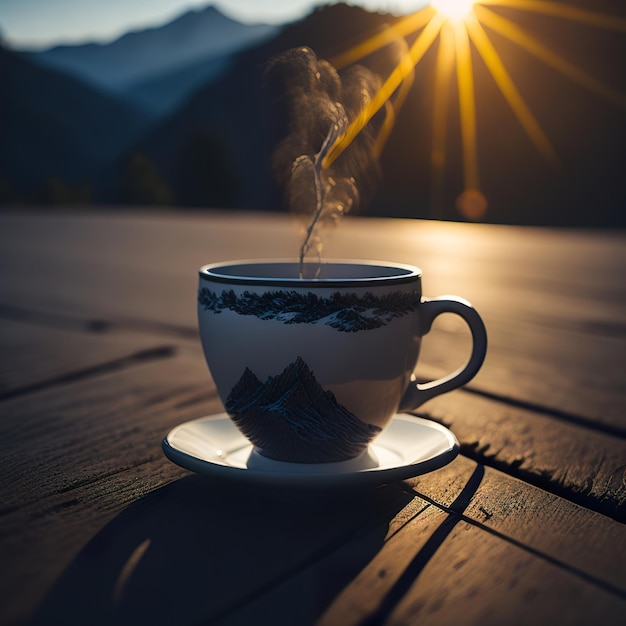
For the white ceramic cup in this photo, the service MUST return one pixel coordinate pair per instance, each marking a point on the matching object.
(311, 370)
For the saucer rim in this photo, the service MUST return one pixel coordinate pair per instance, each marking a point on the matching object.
(365, 477)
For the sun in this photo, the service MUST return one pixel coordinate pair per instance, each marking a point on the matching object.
(461, 28)
(453, 9)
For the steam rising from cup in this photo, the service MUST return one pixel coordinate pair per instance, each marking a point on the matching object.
(320, 105)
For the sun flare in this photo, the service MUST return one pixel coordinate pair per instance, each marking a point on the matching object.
(453, 9)
(458, 26)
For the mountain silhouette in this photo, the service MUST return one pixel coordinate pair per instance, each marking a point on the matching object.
(291, 418)
(585, 186)
(139, 58)
(222, 121)
(56, 131)
(162, 94)
(243, 118)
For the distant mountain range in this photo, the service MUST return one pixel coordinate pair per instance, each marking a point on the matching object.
(57, 132)
(217, 148)
(68, 113)
(181, 115)
(157, 67)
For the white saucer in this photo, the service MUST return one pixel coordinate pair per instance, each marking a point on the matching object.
(409, 446)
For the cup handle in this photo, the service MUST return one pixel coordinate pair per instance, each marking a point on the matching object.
(417, 394)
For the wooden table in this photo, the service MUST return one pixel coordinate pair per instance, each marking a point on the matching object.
(100, 359)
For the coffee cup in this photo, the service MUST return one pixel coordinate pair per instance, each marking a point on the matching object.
(311, 370)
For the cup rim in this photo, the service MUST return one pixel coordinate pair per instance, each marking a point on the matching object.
(388, 272)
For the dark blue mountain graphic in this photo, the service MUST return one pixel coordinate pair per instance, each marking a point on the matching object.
(345, 312)
(291, 417)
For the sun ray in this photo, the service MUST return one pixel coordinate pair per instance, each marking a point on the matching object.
(402, 28)
(509, 90)
(467, 105)
(443, 75)
(588, 18)
(392, 108)
(515, 34)
(460, 27)
(419, 47)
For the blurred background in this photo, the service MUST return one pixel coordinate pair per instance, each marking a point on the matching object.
(138, 103)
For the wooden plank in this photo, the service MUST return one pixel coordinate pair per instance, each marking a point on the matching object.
(72, 461)
(76, 451)
(579, 539)
(75, 454)
(563, 276)
(126, 267)
(36, 356)
(528, 444)
(441, 567)
(214, 547)
(80, 474)
(545, 551)
(322, 549)
(580, 464)
(41, 540)
(575, 373)
(460, 574)
(65, 555)
(71, 434)
(503, 547)
(327, 592)
(554, 301)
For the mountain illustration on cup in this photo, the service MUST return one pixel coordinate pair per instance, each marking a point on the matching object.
(292, 418)
(343, 312)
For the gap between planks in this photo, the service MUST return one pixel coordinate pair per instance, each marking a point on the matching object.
(468, 447)
(115, 365)
(582, 465)
(167, 409)
(93, 325)
(60, 321)
(456, 511)
(374, 594)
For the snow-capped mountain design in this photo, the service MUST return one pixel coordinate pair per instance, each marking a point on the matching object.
(345, 312)
(291, 417)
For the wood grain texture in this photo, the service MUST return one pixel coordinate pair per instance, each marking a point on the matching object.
(69, 435)
(576, 538)
(76, 453)
(100, 358)
(461, 565)
(442, 566)
(583, 465)
(216, 548)
(475, 578)
(39, 356)
(214, 545)
(128, 267)
(574, 373)
(40, 540)
(553, 301)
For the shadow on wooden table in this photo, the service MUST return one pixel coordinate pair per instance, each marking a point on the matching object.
(195, 552)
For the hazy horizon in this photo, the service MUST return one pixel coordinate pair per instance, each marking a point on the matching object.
(40, 24)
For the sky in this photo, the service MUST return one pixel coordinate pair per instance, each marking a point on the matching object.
(43, 23)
